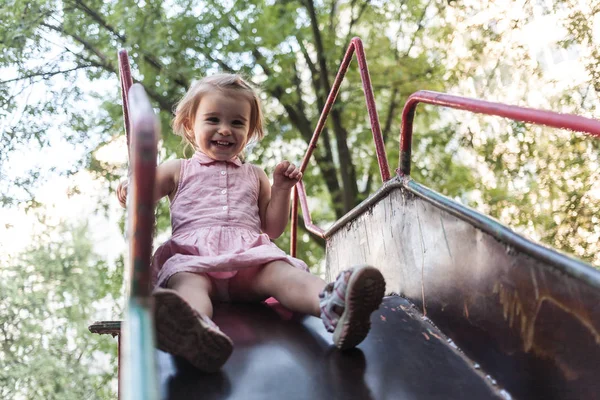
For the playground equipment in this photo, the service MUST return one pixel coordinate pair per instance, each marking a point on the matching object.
(484, 312)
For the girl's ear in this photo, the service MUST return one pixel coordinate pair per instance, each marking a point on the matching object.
(187, 125)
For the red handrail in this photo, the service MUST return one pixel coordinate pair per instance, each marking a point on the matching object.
(126, 82)
(145, 129)
(137, 379)
(548, 118)
(139, 374)
(299, 192)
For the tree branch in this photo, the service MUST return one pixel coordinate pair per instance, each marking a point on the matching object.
(150, 59)
(316, 83)
(331, 17)
(98, 18)
(47, 75)
(347, 170)
(353, 21)
(368, 186)
(220, 63)
(164, 103)
(87, 45)
(323, 76)
(326, 161)
(420, 26)
(390, 114)
(298, 84)
(297, 117)
(309, 62)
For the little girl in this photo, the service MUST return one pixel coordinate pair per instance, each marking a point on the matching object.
(223, 214)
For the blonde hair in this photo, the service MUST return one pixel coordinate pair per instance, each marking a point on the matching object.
(185, 111)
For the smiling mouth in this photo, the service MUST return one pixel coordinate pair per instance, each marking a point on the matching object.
(221, 143)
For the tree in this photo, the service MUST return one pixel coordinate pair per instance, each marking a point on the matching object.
(578, 19)
(542, 182)
(49, 294)
(290, 49)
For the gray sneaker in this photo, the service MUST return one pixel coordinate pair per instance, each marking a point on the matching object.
(182, 331)
(347, 304)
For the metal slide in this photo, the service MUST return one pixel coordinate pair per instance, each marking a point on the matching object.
(484, 312)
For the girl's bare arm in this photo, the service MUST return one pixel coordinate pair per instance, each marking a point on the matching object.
(274, 201)
(167, 180)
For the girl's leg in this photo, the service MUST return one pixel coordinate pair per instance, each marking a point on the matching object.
(183, 326)
(195, 289)
(344, 305)
(295, 289)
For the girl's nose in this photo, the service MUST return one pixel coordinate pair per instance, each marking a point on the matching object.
(225, 130)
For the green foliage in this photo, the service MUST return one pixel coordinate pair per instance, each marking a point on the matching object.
(291, 51)
(49, 293)
(59, 73)
(272, 43)
(541, 182)
(579, 20)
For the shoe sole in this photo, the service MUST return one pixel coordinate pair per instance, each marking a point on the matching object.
(364, 294)
(181, 332)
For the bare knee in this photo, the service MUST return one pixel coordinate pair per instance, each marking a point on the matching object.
(278, 276)
(195, 289)
(184, 280)
(259, 283)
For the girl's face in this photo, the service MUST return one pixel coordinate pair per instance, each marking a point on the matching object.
(222, 124)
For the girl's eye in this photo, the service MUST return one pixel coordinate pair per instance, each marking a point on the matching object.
(213, 119)
(238, 123)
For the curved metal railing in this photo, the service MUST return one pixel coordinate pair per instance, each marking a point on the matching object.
(523, 114)
(299, 194)
(541, 117)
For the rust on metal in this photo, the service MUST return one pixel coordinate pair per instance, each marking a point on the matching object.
(106, 328)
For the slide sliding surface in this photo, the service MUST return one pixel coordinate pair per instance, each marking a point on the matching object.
(282, 356)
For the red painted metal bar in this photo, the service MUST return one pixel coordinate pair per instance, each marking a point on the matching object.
(119, 366)
(355, 46)
(384, 168)
(138, 365)
(126, 82)
(306, 213)
(547, 118)
(294, 223)
(145, 129)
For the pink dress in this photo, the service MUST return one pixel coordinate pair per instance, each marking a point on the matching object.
(215, 223)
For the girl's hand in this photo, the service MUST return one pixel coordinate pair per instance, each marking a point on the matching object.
(122, 192)
(286, 175)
